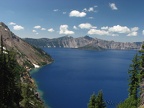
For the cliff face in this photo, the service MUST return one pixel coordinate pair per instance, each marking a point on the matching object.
(82, 42)
(27, 55)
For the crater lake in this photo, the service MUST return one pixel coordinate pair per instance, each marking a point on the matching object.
(76, 74)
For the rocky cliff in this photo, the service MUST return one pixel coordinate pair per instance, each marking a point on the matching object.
(27, 55)
(85, 42)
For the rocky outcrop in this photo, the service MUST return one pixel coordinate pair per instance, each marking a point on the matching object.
(85, 42)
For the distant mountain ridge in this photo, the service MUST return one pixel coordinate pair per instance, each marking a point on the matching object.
(85, 42)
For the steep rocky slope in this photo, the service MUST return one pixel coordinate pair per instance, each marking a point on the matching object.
(27, 55)
(85, 42)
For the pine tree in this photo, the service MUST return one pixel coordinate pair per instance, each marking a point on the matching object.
(134, 81)
(97, 101)
(133, 77)
(92, 101)
(100, 101)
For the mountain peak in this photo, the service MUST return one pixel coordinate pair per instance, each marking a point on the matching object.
(4, 26)
(88, 37)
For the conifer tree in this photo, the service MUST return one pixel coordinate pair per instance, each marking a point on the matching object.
(97, 101)
(100, 101)
(92, 101)
(133, 77)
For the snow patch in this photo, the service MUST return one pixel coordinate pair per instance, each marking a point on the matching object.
(36, 66)
(6, 29)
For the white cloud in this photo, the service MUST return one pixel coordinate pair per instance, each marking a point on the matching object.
(98, 32)
(34, 31)
(64, 30)
(76, 13)
(113, 6)
(51, 30)
(55, 10)
(12, 23)
(133, 34)
(37, 27)
(134, 29)
(18, 27)
(37, 33)
(119, 29)
(86, 26)
(115, 31)
(43, 28)
(91, 9)
(74, 27)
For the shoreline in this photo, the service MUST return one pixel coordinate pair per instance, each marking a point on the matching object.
(38, 91)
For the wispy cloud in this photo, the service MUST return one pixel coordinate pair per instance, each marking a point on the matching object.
(91, 18)
(43, 29)
(64, 30)
(90, 9)
(74, 27)
(113, 6)
(34, 31)
(76, 13)
(64, 12)
(55, 10)
(104, 28)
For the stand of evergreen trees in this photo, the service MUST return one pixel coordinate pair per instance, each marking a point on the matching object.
(10, 88)
(97, 101)
(15, 93)
(136, 75)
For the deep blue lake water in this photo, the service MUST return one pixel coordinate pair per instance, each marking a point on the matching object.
(76, 74)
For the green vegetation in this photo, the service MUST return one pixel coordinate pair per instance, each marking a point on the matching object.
(10, 90)
(136, 75)
(97, 101)
(17, 89)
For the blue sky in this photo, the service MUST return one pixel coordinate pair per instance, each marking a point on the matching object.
(118, 20)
